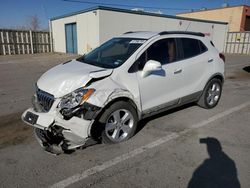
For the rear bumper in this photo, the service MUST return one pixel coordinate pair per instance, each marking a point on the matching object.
(54, 131)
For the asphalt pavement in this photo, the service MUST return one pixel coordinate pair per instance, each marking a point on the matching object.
(187, 147)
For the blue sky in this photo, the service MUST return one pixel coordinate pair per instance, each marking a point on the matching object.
(14, 13)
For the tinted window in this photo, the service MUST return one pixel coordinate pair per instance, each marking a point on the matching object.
(163, 51)
(142, 60)
(190, 47)
(203, 48)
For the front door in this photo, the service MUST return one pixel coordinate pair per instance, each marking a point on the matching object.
(160, 88)
(71, 38)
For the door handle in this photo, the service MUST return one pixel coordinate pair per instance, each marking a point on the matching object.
(177, 71)
(210, 60)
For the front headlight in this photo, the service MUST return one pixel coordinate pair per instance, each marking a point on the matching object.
(75, 98)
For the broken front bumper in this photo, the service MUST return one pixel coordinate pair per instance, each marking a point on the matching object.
(55, 133)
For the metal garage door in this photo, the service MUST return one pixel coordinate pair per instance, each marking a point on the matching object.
(71, 38)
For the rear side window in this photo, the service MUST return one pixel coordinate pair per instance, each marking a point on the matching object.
(192, 47)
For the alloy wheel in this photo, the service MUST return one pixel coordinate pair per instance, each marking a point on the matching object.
(119, 124)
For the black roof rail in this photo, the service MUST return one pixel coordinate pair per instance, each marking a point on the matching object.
(128, 32)
(182, 32)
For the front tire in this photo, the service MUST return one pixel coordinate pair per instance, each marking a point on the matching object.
(211, 94)
(119, 121)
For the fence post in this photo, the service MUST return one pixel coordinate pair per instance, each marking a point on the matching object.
(22, 43)
(243, 44)
(17, 41)
(31, 42)
(43, 41)
(51, 37)
(27, 43)
(8, 42)
(2, 40)
(47, 41)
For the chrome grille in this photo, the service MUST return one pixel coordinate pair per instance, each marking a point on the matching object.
(45, 100)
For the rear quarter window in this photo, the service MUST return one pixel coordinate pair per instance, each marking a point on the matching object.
(203, 48)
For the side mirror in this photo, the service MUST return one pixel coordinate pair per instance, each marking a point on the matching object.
(151, 66)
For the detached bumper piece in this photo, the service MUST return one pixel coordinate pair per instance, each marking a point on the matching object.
(55, 140)
(59, 135)
(49, 142)
(56, 144)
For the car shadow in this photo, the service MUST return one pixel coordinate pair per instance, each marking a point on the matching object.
(218, 171)
(145, 121)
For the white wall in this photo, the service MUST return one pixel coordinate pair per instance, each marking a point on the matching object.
(87, 31)
(115, 23)
(95, 27)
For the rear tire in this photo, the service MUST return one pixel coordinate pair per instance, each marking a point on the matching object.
(119, 122)
(211, 94)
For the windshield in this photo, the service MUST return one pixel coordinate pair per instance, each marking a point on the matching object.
(112, 53)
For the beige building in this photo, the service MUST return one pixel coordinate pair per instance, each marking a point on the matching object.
(238, 17)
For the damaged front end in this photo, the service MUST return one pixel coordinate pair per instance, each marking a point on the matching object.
(61, 124)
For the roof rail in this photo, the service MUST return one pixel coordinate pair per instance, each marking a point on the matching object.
(182, 32)
(128, 32)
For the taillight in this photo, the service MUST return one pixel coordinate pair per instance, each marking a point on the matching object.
(222, 56)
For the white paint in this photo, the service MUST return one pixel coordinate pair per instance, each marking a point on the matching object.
(87, 29)
(91, 171)
(65, 78)
(94, 28)
(124, 22)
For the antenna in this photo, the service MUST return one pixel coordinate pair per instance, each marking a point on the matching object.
(188, 26)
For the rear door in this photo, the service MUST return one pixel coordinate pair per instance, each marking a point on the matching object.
(196, 65)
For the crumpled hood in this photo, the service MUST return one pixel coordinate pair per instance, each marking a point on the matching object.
(65, 78)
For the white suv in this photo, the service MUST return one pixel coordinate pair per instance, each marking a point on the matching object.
(103, 95)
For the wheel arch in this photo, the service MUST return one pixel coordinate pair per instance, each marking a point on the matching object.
(125, 99)
(96, 129)
(218, 76)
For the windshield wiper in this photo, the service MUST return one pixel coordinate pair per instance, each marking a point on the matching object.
(81, 59)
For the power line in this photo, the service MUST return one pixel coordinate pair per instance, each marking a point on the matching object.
(123, 5)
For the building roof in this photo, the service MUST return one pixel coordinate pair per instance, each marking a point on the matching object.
(218, 8)
(134, 12)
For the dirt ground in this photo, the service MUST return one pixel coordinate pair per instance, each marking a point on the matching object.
(18, 75)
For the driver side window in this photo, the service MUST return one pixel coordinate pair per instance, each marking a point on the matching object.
(164, 51)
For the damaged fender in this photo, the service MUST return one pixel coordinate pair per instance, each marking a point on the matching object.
(109, 90)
